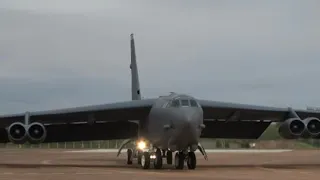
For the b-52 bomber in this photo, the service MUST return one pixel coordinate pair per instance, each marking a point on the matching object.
(158, 127)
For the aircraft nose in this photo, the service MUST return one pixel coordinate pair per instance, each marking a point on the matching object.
(190, 122)
(189, 117)
(187, 128)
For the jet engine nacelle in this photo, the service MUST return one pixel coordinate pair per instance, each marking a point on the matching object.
(17, 133)
(36, 133)
(312, 127)
(292, 128)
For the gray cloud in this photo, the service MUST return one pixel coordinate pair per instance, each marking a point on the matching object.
(70, 53)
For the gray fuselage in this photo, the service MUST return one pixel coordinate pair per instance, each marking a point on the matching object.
(174, 123)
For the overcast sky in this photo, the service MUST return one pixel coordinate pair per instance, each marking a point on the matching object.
(63, 53)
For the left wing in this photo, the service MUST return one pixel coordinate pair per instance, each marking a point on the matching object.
(242, 121)
(97, 122)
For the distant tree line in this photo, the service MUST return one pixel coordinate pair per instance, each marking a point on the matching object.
(271, 133)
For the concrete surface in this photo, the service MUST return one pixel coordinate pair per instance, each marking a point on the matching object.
(207, 150)
(33, 164)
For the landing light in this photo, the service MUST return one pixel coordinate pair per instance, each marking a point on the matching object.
(141, 145)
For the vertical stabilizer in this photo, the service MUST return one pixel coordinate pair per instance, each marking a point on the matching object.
(135, 85)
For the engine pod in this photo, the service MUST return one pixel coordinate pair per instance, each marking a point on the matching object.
(312, 127)
(36, 133)
(17, 133)
(292, 128)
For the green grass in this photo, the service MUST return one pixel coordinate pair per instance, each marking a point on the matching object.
(303, 145)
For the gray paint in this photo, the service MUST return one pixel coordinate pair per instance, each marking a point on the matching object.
(135, 85)
(183, 122)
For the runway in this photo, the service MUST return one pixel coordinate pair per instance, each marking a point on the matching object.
(49, 164)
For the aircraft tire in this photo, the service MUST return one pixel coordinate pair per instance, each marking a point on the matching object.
(145, 160)
(158, 160)
(139, 157)
(192, 160)
(179, 160)
(169, 157)
(129, 156)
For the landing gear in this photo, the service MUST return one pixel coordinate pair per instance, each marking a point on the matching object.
(179, 160)
(145, 160)
(169, 157)
(129, 156)
(139, 157)
(154, 155)
(190, 157)
(157, 162)
(191, 160)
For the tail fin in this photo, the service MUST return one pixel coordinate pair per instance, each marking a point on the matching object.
(135, 85)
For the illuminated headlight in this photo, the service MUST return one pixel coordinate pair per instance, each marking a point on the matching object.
(152, 156)
(141, 145)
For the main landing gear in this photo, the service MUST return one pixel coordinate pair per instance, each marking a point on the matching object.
(129, 156)
(154, 158)
(180, 157)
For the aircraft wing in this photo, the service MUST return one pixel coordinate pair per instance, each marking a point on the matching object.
(242, 121)
(97, 122)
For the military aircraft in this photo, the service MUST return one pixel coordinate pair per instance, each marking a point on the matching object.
(158, 127)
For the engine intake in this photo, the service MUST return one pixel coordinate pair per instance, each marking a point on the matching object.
(292, 128)
(36, 133)
(17, 133)
(312, 127)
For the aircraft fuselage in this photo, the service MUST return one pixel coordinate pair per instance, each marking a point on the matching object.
(174, 123)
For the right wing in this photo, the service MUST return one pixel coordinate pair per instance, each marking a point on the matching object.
(244, 121)
(97, 122)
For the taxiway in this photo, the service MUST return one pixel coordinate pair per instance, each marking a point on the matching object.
(62, 164)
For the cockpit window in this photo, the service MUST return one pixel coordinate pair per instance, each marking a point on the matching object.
(193, 103)
(185, 102)
(182, 103)
(175, 103)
